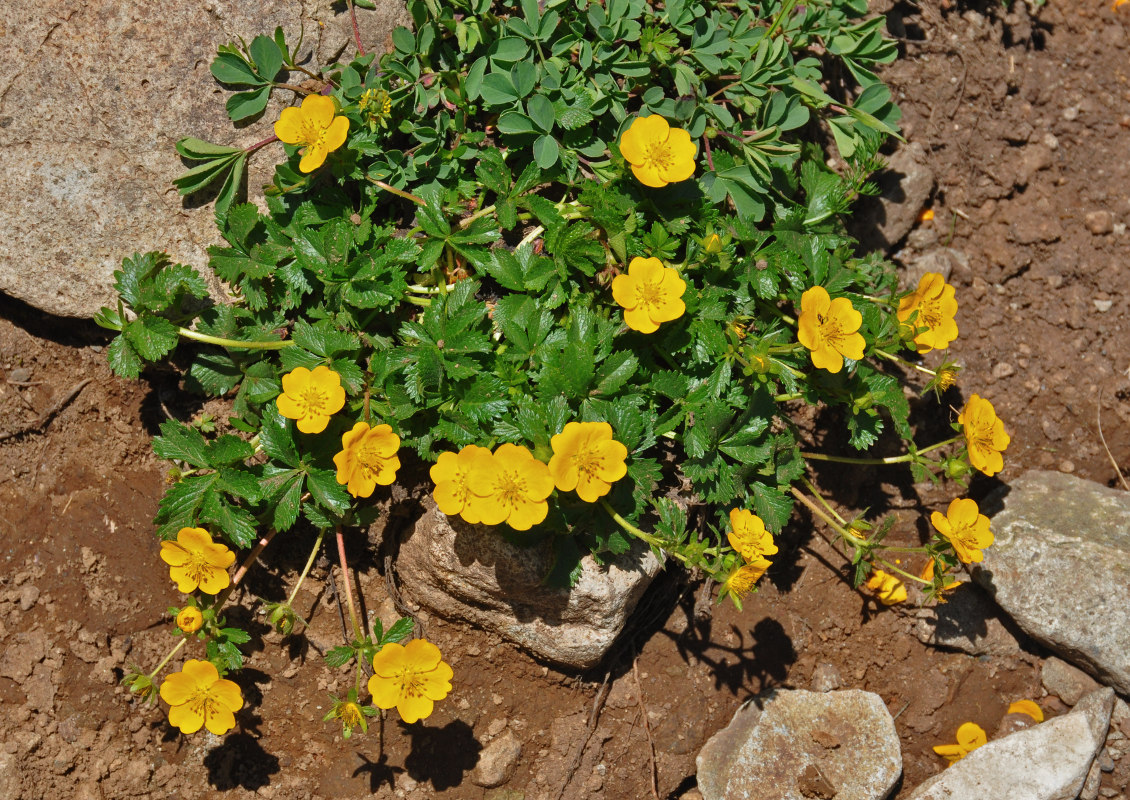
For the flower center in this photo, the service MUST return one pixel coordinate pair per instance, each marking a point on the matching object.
(650, 293)
(831, 329)
(410, 683)
(930, 314)
(312, 399)
(351, 715)
(658, 154)
(198, 566)
(587, 461)
(511, 489)
(202, 702)
(312, 134)
(373, 462)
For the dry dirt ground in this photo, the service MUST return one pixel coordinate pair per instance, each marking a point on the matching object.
(1025, 121)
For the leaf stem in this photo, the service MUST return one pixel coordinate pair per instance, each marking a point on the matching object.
(647, 537)
(399, 192)
(904, 362)
(904, 458)
(306, 569)
(903, 572)
(263, 143)
(348, 585)
(221, 342)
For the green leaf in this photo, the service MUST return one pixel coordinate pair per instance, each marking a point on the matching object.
(326, 490)
(498, 89)
(398, 631)
(614, 372)
(546, 151)
(199, 150)
(228, 449)
(267, 56)
(213, 374)
(182, 501)
(282, 488)
(339, 656)
(124, 360)
(234, 69)
(242, 105)
(275, 437)
(515, 122)
(541, 112)
(236, 523)
(322, 338)
(179, 442)
(773, 507)
(152, 337)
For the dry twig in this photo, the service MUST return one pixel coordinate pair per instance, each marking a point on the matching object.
(647, 728)
(1099, 422)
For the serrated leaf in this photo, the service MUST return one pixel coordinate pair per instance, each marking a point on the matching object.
(124, 360)
(179, 507)
(236, 523)
(614, 372)
(773, 507)
(179, 442)
(398, 631)
(214, 374)
(339, 656)
(282, 488)
(324, 487)
(322, 338)
(227, 450)
(152, 337)
(275, 438)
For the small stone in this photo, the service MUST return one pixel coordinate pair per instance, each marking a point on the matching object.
(825, 678)
(28, 596)
(1071, 113)
(1011, 723)
(1003, 370)
(1099, 222)
(1067, 467)
(1051, 142)
(496, 727)
(497, 761)
(1103, 306)
(19, 375)
(1106, 763)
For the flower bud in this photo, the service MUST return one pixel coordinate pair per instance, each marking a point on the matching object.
(189, 619)
(282, 618)
(712, 244)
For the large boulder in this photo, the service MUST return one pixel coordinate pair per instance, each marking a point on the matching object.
(1060, 567)
(797, 745)
(472, 573)
(1050, 761)
(92, 100)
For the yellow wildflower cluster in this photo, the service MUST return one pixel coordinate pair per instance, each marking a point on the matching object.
(511, 486)
(748, 537)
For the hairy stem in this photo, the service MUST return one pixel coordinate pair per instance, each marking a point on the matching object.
(221, 342)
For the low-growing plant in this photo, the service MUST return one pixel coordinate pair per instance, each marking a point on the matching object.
(581, 257)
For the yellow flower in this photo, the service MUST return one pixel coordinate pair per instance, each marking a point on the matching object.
(311, 397)
(658, 153)
(189, 619)
(196, 562)
(513, 487)
(198, 696)
(741, 581)
(935, 305)
(410, 678)
(888, 588)
(1117, 3)
(1027, 707)
(367, 458)
(749, 536)
(985, 437)
(966, 529)
(970, 736)
(829, 328)
(315, 125)
(450, 473)
(649, 293)
(588, 459)
(927, 574)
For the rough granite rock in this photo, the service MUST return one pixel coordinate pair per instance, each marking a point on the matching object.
(1050, 761)
(1060, 567)
(497, 761)
(93, 96)
(969, 621)
(799, 745)
(905, 185)
(470, 572)
(1066, 682)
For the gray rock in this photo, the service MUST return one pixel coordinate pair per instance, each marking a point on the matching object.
(969, 621)
(92, 101)
(826, 678)
(470, 572)
(943, 260)
(801, 745)
(1047, 762)
(1060, 567)
(1066, 682)
(905, 186)
(497, 761)
(29, 596)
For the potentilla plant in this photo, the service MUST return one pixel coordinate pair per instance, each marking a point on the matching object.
(570, 255)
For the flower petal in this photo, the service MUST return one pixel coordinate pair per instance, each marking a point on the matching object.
(526, 515)
(189, 717)
(625, 291)
(174, 555)
(220, 720)
(422, 655)
(639, 320)
(641, 134)
(289, 126)
(413, 709)
(319, 110)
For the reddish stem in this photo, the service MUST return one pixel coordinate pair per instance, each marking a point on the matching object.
(706, 148)
(257, 145)
(356, 30)
(348, 584)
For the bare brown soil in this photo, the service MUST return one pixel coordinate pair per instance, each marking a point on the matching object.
(1026, 124)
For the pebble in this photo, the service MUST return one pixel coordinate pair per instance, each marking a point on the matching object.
(1003, 370)
(497, 761)
(29, 595)
(1067, 682)
(1071, 113)
(1103, 306)
(826, 678)
(19, 375)
(1099, 223)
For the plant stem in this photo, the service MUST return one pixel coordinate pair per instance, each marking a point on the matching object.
(348, 585)
(399, 192)
(904, 362)
(221, 342)
(632, 529)
(356, 30)
(263, 143)
(482, 212)
(786, 9)
(904, 458)
(902, 572)
(306, 569)
(168, 658)
(815, 509)
(808, 485)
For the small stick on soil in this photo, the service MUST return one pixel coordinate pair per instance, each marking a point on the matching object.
(49, 414)
(594, 717)
(646, 727)
(1099, 422)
